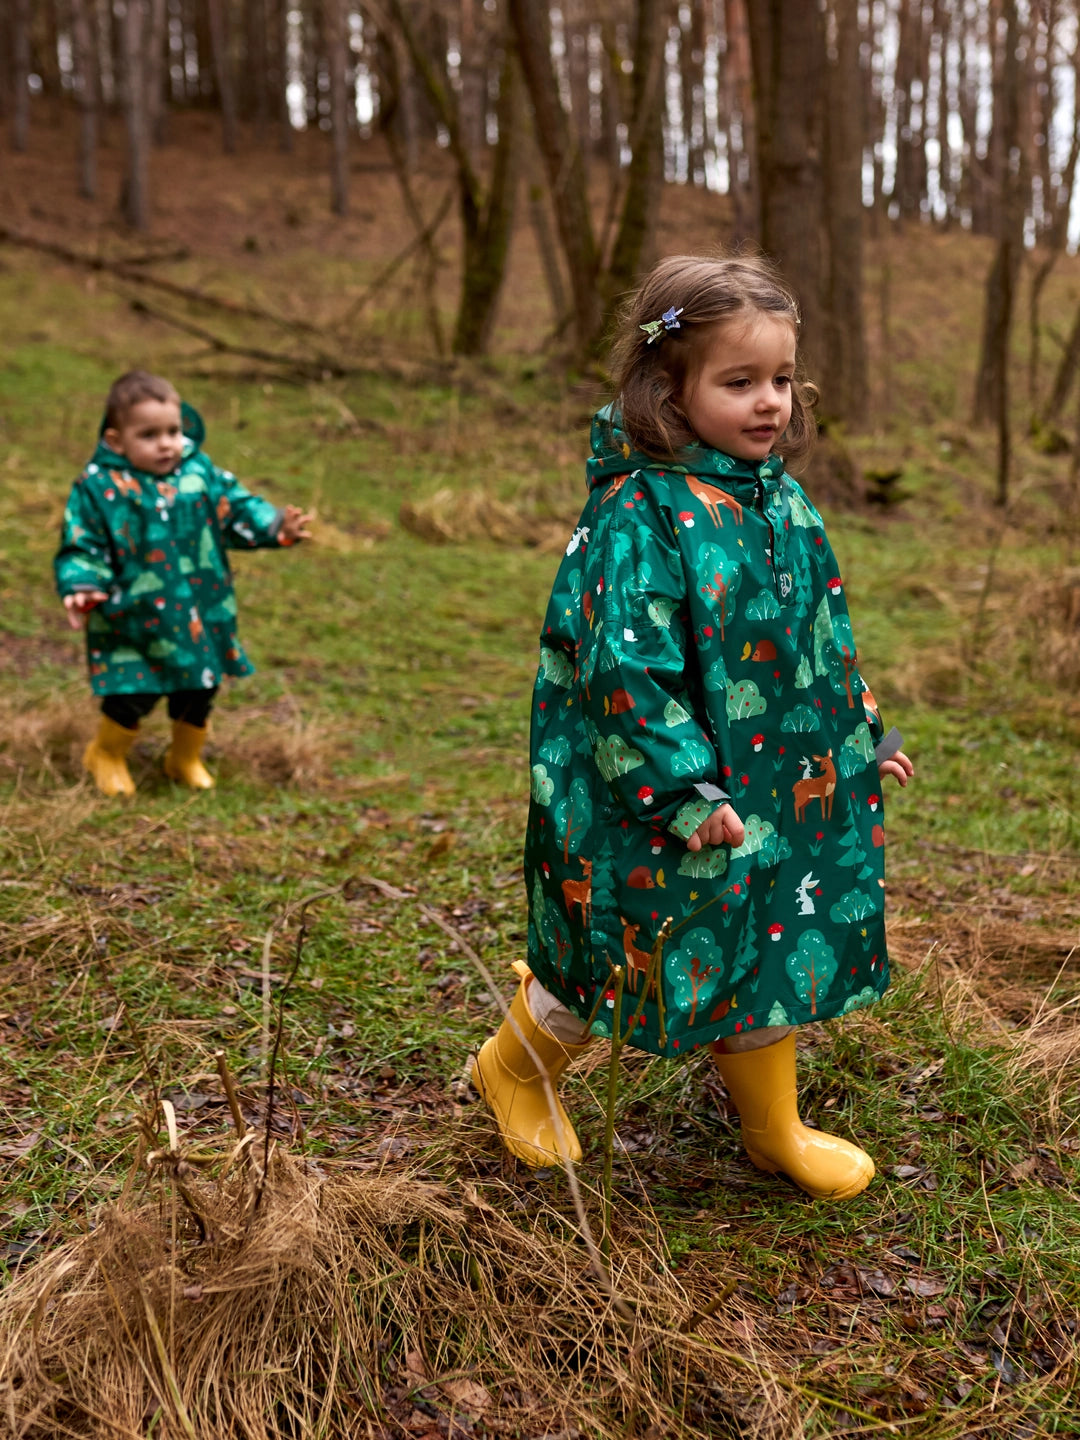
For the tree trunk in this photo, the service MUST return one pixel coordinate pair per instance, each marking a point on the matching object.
(743, 158)
(645, 174)
(565, 171)
(86, 87)
(992, 394)
(279, 72)
(1056, 237)
(336, 38)
(20, 75)
(155, 71)
(219, 44)
(487, 234)
(788, 49)
(136, 196)
(847, 389)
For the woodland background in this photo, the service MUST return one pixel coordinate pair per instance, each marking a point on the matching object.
(379, 248)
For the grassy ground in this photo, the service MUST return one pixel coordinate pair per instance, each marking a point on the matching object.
(380, 754)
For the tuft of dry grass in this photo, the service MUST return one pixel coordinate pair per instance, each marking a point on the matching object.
(351, 1305)
(453, 516)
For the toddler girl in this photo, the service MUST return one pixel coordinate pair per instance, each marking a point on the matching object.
(143, 562)
(703, 744)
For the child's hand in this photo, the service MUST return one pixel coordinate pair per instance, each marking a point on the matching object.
(898, 765)
(723, 827)
(294, 525)
(79, 604)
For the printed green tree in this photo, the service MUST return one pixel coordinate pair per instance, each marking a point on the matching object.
(573, 816)
(746, 952)
(834, 650)
(694, 971)
(604, 895)
(542, 786)
(812, 968)
(851, 852)
(856, 752)
(804, 593)
(556, 667)
(718, 580)
(614, 756)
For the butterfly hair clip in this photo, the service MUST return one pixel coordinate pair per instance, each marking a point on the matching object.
(657, 329)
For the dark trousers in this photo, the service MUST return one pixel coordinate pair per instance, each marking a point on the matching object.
(191, 706)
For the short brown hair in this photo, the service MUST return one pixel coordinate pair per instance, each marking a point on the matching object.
(130, 390)
(649, 378)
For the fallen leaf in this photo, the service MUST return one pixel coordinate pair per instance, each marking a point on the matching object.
(878, 1282)
(925, 1285)
(467, 1394)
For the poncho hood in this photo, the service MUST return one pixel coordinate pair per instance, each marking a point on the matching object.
(191, 422)
(612, 454)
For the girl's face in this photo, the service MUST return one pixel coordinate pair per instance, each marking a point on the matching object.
(149, 437)
(739, 398)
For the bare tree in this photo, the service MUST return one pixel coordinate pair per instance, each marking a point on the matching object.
(992, 388)
(20, 74)
(738, 99)
(219, 44)
(632, 209)
(846, 380)
(565, 169)
(788, 48)
(136, 194)
(486, 211)
(87, 90)
(335, 37)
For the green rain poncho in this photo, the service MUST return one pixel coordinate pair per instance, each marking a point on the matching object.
(697, 645)
(156, 546)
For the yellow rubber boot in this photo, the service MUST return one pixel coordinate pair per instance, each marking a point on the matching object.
(183, 760)
(513, 1089)
(762, 1085)
(106, 758)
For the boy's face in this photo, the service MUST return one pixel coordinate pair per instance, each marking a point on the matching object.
(739, 401)
(149, 437)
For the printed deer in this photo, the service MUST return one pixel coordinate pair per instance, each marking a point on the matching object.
(712, 497)
(637, 961)
(579, 892)
(818, 787)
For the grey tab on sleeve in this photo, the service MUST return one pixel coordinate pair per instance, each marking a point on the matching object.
(709, 791)
(887, 748)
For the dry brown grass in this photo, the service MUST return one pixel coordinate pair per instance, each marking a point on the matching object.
(342, 1302)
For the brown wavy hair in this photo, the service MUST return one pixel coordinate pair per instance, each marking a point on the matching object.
(649, 379)
(130, 390)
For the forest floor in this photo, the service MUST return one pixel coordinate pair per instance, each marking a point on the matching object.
(380, 755)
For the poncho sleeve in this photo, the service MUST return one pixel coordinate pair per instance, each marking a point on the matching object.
(84, 560)
(647, 742)
(247, 521)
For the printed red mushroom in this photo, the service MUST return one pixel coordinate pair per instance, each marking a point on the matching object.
(776, 931)
(757, 741)
(657, 844)
(687, 518)
(645, 795)
(874, 801)
(833, 585)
